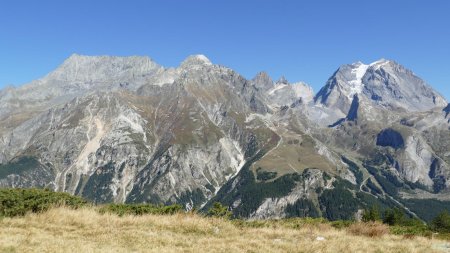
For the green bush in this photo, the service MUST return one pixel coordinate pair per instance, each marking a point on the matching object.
(292, 223)
(219, 210)
(140, 209)
(371, 214)
(265, 175)
(340, 224)
(18, 202)
(419, 230)
(441, 223)
(393, 217)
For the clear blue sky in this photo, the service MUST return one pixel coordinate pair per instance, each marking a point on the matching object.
(302, 40)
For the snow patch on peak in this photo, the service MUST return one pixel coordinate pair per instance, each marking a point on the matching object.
(74, 56)
(278, 86)
(203, 58)
(359, 70)
(195, 60)
(356, 85)
(378, 64)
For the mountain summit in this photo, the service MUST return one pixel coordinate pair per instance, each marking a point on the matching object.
(81, 68)
(384, 83)
(195, 60)
(125, 129)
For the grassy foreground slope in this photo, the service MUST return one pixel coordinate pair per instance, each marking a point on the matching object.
(87, 230)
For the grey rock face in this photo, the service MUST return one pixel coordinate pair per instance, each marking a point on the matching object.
(285, 94)
(306, 189)
(179, 141)
(263, 81)
(390, 84)
(124, 129)
(383, 83)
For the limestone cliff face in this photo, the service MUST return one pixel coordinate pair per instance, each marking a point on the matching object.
(178, 142)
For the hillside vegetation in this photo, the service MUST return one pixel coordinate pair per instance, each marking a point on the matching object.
(86, 230)
(64, 223)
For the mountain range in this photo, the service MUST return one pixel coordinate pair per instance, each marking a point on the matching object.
(126, 129)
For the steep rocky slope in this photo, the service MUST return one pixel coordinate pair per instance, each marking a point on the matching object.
(125, 129)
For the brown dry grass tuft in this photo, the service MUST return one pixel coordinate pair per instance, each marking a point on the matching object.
(409, 236)
(85, 230)
(370, 229)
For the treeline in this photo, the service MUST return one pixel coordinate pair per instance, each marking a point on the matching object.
(18, 202)
(395, 217)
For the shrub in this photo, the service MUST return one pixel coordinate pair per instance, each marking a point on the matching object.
(340, 224)
(441, 223)
(219, 210)
(409, 236)
(265, 175)
(297, 223)
(291, 223)
(371, 214)
(18, 202)
(393, 217)
(419, 230)
(140, 209)
(370, 229)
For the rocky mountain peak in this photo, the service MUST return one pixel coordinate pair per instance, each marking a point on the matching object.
(263, 81)
(283, 93)
(340, 88)
(383, 82)
(380, 63)
(389, 83)
(195, 61)
(304, 91)
(124, 129)
(282, 80)
(82, 68)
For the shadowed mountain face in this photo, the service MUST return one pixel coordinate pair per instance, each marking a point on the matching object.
(390, 138)
(447, 110)
(125, 129)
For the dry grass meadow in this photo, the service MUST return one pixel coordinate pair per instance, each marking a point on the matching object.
(86, 230)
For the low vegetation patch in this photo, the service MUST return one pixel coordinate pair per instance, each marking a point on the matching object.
(265, 175)
(42, 210)
(220, 211)
(140, 209)
(291, 223)
(370, 229)
(86, 230)
(18, 202)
